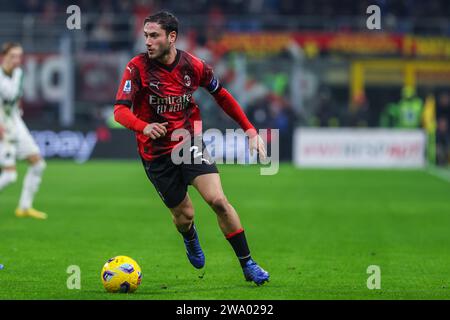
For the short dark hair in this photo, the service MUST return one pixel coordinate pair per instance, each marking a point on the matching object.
(8, 46)
(165, 19)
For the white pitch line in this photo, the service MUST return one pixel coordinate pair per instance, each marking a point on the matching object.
(441, 173)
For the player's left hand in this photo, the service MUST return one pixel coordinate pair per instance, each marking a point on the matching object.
(257, 143)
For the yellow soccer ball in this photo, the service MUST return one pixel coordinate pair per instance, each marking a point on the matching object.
(121, 274)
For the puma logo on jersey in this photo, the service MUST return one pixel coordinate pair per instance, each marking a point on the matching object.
(155, 84)
(129, 69)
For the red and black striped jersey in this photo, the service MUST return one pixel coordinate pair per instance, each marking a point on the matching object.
(164, 93)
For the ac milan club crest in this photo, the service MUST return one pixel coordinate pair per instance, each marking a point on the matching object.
(187, 80)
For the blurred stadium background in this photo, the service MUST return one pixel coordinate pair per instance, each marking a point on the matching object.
(341, 96)
(290, 64)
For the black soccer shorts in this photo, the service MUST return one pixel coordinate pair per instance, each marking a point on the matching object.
(171, 180)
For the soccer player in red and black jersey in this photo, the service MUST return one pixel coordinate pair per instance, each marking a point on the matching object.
(154, 99)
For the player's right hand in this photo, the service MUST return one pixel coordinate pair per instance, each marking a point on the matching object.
(155, 130)
(2, 132)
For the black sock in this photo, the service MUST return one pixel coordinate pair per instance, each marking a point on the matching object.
(190, 234)
(239, 243)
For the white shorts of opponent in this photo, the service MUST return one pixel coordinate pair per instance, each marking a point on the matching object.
(17, 142)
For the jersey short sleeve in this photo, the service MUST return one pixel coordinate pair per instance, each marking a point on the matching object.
(129, 85)
(208, 80)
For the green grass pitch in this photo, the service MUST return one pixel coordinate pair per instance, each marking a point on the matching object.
(315, 231)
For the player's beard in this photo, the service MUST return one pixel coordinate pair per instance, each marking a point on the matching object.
(165, 50)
